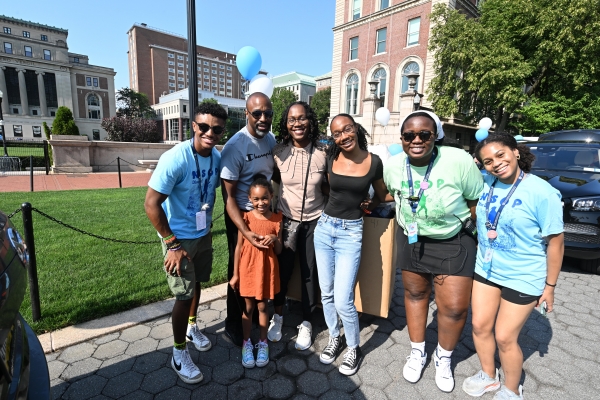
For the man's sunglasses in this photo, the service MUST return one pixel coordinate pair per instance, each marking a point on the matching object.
(425, 136)
(258, 113)
(217, 130)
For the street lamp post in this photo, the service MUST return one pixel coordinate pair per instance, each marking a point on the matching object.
(192, 59)
(2, 126)
(412, 82)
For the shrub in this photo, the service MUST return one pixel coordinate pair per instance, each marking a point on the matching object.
(126, 129)
(64, 124)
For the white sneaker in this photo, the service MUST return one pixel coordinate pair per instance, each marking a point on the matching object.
(304, 339)
(274, 334)
(414, 366)
(507, 394)
(194, 335)
(481, 383)
(182, 364)
(443, 373)
(248, 355)
(262, 356)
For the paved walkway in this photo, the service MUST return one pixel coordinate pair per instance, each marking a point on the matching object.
(98, 180)
(562, 356)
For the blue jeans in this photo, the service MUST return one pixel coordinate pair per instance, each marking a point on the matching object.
(338, 243)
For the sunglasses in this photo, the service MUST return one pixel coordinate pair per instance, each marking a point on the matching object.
(425, 136)
(217, 130)
(258, 113)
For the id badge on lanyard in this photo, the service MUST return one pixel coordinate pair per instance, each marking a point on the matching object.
(201, 215)
(413, 200)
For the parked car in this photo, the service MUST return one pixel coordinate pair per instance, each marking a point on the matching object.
(569, 161)
(23, 367)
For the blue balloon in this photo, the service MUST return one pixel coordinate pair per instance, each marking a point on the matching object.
(519, 138)
(248, 62)
(395, 149)
(481, 134)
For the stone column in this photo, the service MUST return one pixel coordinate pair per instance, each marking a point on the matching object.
(165, 129)
(4, 91)
(23, 92)
(42, 93)
(370, 106)
(74, 100)
(180, 130)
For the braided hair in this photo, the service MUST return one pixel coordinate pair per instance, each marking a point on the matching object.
(361, 133)
(284, 136)
(505, 139)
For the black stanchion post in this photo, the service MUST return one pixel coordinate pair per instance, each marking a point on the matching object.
(119, 168)
(34, 289)
(46, 157)
(31, 172)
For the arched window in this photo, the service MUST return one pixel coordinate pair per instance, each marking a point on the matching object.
(93, 103)
(351, 94)
(409, 68)
(381, 76)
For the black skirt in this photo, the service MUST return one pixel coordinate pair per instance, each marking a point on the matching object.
(454, 256)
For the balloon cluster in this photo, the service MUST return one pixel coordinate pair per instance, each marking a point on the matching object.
(484, 125)
(248, 62)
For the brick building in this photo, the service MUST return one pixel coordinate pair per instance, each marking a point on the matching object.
(158, 65)
(384, 41)
(38, 74)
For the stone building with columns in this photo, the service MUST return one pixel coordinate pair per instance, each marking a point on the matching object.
(38, 74)
(381, 59)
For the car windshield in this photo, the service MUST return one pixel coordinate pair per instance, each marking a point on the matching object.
(561, 157)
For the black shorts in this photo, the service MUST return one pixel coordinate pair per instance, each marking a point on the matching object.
(454, 256)
(508, 294)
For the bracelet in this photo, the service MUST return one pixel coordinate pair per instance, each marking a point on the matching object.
(175, 248)
(167, 238)
(550, 284)
(173, 245)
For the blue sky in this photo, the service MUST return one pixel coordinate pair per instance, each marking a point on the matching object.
(290, 35)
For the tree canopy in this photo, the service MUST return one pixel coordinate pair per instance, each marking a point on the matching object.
(518, 58)
(133, 104)
(63, 123)
(320, 103)
(280, 99)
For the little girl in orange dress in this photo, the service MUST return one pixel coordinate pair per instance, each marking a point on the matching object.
(256, 271)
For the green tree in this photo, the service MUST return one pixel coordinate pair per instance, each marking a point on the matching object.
(133, 104)
(321, 103)
(518, 52)
(209, 100)
(63, 123)
(281, 99)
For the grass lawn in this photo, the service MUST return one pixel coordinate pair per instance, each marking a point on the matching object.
(82, 278)
(23, 151)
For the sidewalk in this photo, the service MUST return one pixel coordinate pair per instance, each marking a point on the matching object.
(97, 180)
(127, 356)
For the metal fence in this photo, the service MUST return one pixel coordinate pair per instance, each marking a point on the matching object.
(24, 157)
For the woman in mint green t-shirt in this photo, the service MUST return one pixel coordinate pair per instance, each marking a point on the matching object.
(436, 189)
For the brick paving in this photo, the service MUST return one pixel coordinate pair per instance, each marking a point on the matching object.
(562, 357)
(98, 180)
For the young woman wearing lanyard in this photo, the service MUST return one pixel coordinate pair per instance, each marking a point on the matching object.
(436, 189)
(519, 258)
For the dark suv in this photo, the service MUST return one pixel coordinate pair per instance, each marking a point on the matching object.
(569, 161)
(23, 367)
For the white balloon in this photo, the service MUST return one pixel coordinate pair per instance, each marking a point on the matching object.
(382, 115)
(485, 123)
(261, 83)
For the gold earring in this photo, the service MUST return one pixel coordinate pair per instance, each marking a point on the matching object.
(518, 156)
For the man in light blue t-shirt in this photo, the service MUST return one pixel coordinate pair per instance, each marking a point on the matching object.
(247, 153)
(179, 203)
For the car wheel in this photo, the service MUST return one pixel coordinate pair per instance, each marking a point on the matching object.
(592, 266)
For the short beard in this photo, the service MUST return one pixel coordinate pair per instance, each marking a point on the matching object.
(261, 133)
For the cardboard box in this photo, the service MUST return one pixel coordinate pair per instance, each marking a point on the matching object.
(377, 270)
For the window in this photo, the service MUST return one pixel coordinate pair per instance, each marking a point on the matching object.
(172, 70)
(383, 4)
(221, 73)
(8, 48)
(18, 130)
(180, 65)
(26, 34)
(221, 66)
(206, 76)
(356, 5)
(7, 30)
(206, 70)
(214, 78)
(205, 62)
(88, 81)
(380, 75)
(180, 86)
(95, 82)
(214, 71)
(380, 46)
(351, 94)
(214, 85)
(15, 110)
(228, 74)
(95, 134)
(413, 31)
(171, 62)
(76, 60)
(214, 65)
(179, 72)
(44, 38)
(28, 51)
(180, 79)
(53, 113)
(34, 112)
(171, 55)
(354, 48)
(47, 55)
(410, 68)
(229, 80)
(171, 91)
(184, 108)
(37, 131)
(228, 68)
(171, 84)
(180, 57)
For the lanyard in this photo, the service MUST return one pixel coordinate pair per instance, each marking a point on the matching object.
(210, 172)
(491, 226)
(412, 200)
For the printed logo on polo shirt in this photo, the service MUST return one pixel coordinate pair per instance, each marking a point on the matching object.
(250, 157)
(506, 239)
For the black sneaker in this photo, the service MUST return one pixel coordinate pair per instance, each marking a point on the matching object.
(330, 351)
(351, 361)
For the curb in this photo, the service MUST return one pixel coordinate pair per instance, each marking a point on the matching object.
(72, 335)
